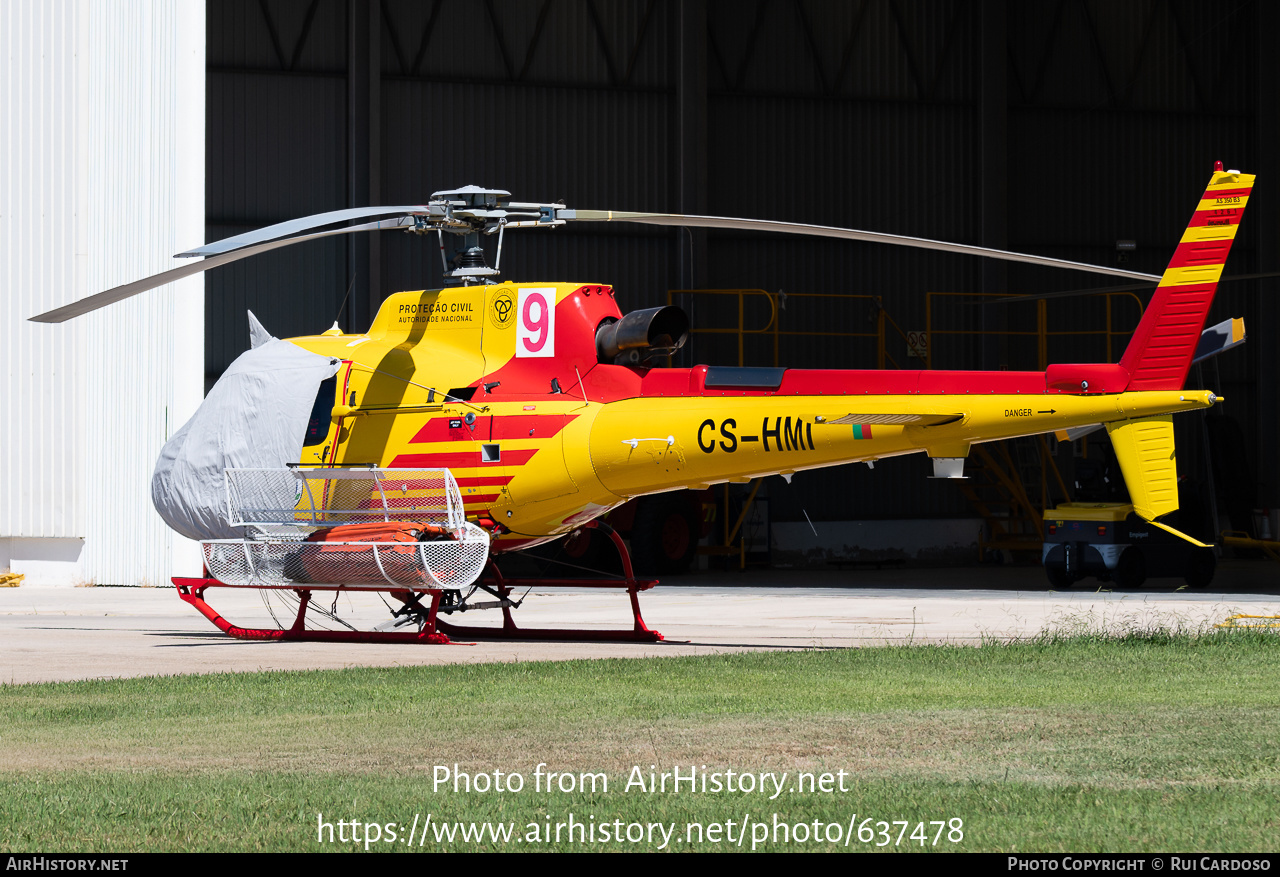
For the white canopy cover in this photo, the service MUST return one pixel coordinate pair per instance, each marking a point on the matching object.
(255, 417)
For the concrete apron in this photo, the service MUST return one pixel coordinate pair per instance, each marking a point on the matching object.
(55, 634)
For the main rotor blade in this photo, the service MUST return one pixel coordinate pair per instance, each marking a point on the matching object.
(280, 229)
(1103, 290)
(852, 234)
(111, 296)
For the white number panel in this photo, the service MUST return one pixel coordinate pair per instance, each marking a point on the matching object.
(536, 323)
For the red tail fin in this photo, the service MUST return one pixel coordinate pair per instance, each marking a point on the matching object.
(1161, 350)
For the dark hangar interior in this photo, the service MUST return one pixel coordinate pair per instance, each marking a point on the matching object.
(1077, 129)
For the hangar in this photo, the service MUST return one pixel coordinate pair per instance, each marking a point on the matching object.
(1074, 129)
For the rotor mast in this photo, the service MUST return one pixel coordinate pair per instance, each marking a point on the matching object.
(467, 213)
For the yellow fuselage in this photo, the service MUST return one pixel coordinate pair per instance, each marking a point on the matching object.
(463, 379)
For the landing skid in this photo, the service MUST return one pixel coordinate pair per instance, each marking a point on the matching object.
(503, 587)
(433, 629)
(192, 591)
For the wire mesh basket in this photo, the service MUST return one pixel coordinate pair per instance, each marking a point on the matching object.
(281, 500)
(281, 508)
(272, 562)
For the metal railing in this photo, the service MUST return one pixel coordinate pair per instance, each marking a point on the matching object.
(773, 329)
(1041, 333)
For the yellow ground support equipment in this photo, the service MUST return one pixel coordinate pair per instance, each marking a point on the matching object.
(1114, 542)
(1242, 621)
(1236, 539)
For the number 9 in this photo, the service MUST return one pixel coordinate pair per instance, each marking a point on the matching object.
(535, 333)
(532, 324)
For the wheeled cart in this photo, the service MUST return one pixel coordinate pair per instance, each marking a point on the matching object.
(1109, 542)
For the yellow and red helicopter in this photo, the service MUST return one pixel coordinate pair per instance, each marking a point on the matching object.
(543, 401)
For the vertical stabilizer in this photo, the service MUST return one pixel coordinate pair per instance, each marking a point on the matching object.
(1162, 348)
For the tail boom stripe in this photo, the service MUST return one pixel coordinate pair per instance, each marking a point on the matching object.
(1199, 254)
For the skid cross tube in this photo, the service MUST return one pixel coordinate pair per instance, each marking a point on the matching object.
(640, 632)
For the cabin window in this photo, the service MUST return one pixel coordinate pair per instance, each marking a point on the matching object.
(321, 413)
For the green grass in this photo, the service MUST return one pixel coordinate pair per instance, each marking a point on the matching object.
(1153, 740)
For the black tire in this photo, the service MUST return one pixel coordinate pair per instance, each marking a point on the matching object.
(1058, 578)
(592, 549)
(664, 537)
(1201, 566)
(1131, 571)
(585, 553)
(583, 546)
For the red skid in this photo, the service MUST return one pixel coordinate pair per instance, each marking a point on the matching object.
(437, 631)
(192, 591)
(639, 632)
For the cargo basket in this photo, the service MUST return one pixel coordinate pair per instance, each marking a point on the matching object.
(280, 508)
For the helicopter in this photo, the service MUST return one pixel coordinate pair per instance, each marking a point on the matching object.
(544, 400)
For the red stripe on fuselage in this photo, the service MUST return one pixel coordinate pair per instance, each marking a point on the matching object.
(517, 426)
(513, 426)
(460, 460)
(473, 499)
(843, 382)
(437, 429)
(499, 481)
(416, 483)
(438, 484)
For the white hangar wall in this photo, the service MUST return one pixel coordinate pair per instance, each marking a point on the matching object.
(102, 177)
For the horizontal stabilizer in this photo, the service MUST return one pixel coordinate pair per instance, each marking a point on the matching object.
(883, 419)
(1219, 338)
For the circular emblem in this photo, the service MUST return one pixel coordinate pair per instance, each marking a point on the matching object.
(503, 311)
